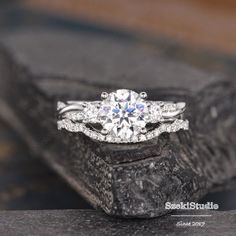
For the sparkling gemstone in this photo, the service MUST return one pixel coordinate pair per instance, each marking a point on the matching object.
(123, 114)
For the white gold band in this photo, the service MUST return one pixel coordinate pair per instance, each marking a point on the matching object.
(123, 117)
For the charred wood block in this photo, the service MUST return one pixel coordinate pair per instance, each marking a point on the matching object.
(129, 180)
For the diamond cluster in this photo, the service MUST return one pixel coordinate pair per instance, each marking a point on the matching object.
(123, 116)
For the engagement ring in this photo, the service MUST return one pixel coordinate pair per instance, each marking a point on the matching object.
(123, 116)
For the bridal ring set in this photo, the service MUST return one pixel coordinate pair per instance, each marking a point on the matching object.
(122, 116)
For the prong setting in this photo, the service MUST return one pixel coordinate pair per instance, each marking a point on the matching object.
(143, 95)
(104, 95)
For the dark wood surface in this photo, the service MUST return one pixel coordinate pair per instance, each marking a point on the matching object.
(14, 152)
(27, 183)
(90, 222)
(47, 66)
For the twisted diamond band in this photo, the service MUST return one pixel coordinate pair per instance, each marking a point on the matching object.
(122, 116)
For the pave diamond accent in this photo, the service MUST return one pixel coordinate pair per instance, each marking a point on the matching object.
(123, 115)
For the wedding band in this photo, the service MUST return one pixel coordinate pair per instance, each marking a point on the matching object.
(122, 116)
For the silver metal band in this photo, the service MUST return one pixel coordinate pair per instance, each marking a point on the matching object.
(74, 116)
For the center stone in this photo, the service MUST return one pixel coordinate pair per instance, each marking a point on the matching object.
(123, 113)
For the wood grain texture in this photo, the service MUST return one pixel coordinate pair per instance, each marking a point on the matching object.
(44, 67)
(89, 222)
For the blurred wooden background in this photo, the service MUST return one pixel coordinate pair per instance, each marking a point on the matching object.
(209, 24)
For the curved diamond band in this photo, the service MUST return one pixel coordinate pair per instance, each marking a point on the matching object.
(123, 116)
